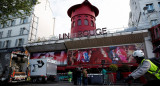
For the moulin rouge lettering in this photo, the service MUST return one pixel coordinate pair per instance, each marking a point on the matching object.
(85, 33)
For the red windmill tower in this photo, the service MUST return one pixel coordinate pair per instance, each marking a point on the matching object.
(83, 17)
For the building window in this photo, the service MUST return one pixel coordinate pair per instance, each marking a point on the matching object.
(159, 4)
(24, 20)
(9, 33)
(85, 22)
(1, 33)
(7, 43)
(22, 31)
(154, 22)
(150, 8)
(92, 23)
(5, 25)
(8, 23)
(13, 22)
(19, 42)
(79, 22)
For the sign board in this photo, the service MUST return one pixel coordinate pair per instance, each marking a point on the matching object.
(109, 54)
(60, 57)
(85, 33)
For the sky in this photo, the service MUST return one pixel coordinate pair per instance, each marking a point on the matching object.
(112, 14)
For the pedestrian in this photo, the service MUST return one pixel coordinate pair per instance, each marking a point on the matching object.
(85, 77)
(75, 76)
(104, 73)
(147, 68)
(79, 76)
(70, 76)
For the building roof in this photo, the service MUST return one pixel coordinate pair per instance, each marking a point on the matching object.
(86, 2)
(86, 42)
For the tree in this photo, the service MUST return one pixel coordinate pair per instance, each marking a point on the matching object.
(15, 8)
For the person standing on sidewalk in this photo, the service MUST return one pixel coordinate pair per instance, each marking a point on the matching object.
(79, 76)
(146, 67)
(104, 73)
(85, 77)
(74, 79)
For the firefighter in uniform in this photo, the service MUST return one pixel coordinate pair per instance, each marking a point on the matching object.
(147, 68)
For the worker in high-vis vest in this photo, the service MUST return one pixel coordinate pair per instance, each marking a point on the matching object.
(70, 76)
(147, 68)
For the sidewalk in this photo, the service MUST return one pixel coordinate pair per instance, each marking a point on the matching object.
(64, 83)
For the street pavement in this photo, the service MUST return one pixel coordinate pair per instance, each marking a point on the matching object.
(65, 83)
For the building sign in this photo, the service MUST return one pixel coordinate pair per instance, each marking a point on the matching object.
(85, 33)
(59, 56)
(111, 54)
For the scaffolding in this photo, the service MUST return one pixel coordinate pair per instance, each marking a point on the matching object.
(33, 28)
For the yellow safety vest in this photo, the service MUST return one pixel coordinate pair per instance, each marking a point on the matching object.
(153, 69)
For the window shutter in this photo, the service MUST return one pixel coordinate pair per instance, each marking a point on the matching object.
(20, 31)
(16, 43)
(22, 42)
(4, 43)
(9, 45)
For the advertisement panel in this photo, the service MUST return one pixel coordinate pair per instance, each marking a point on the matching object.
(111, 54)
(38, 67)
(59, 56)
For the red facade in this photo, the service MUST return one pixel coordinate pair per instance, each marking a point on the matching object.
(83, 17)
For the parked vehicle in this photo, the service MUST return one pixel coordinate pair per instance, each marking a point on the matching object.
(14, 67)
(43, 70)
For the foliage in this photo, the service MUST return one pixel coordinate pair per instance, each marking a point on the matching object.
(113, 67)
(15, 8)
(125, 68)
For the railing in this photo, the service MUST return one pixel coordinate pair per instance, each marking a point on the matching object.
(120, 31)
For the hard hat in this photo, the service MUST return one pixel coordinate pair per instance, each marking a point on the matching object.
(138, 53)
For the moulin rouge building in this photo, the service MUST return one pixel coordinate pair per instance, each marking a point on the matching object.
(87, 46)
(83, 17)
